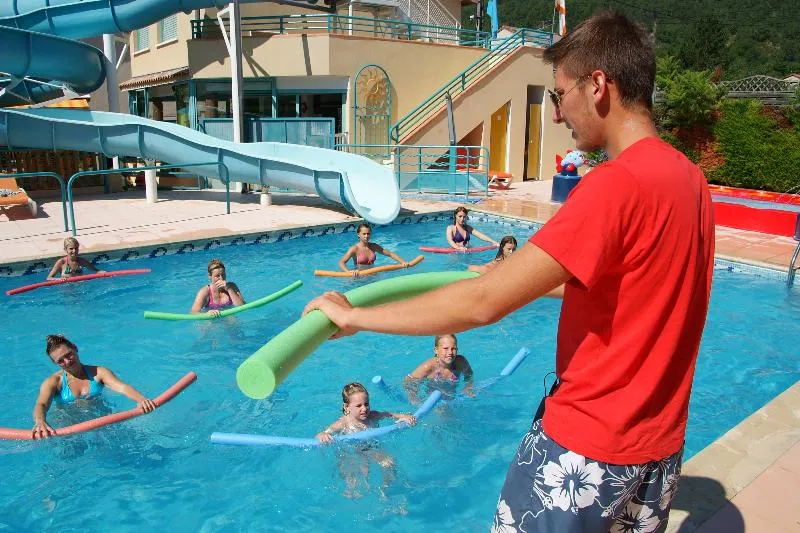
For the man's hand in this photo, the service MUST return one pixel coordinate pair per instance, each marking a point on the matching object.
(335, 306)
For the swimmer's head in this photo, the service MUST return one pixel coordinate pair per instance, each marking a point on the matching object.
(445, 347)
(364, 231)
(508, 245)
(354, 393)
(460, 212)
(216, 269)
(61, 350)
(71, 243)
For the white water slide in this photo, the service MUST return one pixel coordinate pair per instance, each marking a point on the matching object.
(30, 50)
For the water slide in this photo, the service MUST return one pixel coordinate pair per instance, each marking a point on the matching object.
(30, 48)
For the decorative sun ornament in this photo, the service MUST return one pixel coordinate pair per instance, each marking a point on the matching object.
(372, 86)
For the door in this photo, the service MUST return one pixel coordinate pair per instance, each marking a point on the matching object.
(534, 143)
(498, 139)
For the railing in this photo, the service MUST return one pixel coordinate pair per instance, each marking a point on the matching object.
(316, 131)
(431, 169)
(793, 262)
(462, 81)
(345, 25)
(222, 168)
(427, 12)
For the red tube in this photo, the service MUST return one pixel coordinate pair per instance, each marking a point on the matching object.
(164, 397)
(435, 250)
(72, 279)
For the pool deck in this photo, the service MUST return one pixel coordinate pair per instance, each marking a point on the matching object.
(747, 480)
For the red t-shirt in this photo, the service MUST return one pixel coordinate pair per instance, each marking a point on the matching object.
(637, 235)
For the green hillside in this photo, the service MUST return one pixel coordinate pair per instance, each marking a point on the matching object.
(741, 37)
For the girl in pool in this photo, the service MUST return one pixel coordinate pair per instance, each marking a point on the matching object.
(357, 414)
(75, 381)
(71, 264)
(219, 293)
(508, 245)
(446, 366)
(459, 232)
(364, 252)
(358, 417)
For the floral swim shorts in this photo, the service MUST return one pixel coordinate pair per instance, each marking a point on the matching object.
(551, 489)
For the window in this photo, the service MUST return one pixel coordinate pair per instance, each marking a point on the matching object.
(141, 39)
(168, 29)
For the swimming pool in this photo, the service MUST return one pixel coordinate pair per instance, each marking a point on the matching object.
(161, 472)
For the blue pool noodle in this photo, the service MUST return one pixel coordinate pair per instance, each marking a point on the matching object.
(244, 439)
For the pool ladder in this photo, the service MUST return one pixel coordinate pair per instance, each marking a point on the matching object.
(793, 263)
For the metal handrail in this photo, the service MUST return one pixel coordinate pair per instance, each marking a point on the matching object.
(421, 160)
(463, 80)
(218, 164)
(346, 24)
(60, 184)
(793, 267)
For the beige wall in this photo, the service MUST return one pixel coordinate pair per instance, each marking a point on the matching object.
(415, 69)
(508, 81)
(162, 56)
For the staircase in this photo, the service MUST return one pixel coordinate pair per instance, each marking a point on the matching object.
(465, 79)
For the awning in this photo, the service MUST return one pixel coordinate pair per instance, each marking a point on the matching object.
(156, 78)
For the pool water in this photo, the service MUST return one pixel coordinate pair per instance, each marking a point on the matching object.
(160, 471)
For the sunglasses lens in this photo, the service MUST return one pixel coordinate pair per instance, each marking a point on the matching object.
(555, 98)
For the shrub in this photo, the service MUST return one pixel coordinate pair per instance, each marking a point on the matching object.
(758, 155)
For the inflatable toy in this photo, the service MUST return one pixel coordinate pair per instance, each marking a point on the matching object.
(74, 279)
(260, 373)
(368, 271)
(435, 250)
(225, 312)
(368, 434)
(164, 397)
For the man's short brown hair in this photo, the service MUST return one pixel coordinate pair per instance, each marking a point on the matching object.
(611, 42)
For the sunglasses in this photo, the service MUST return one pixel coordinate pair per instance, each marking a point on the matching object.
(558, 96)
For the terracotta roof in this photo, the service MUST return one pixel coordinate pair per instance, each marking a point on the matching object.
(156, 78)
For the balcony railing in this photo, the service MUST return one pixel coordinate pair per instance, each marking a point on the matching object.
(345, 25)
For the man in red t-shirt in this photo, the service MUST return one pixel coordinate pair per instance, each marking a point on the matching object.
(631, 252)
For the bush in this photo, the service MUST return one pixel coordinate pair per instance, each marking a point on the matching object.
(758, 155)
(690, 99)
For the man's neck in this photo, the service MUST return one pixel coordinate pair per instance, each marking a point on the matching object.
(627, 128)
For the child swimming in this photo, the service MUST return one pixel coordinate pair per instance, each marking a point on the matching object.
(357, 414)
(508, 245)
(219, 294)
(75, 381)
(72, 264)
(364, 252)
(357, 417)
(446, 366)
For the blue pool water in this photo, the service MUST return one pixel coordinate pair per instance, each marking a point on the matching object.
(160, 471)
(758, 204)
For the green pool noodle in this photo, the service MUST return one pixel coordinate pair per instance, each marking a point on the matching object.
(226, 312)
(259, 375)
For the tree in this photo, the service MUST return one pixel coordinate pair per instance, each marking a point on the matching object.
(705, 46)
(689, 97)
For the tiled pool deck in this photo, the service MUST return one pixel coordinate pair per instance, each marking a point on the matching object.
(748, 480)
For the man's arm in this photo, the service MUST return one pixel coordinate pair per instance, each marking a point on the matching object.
(525, 276)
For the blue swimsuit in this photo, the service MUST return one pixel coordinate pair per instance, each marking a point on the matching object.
(66, 396)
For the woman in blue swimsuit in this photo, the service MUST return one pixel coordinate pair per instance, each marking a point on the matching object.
(459, 232)
(76, 381)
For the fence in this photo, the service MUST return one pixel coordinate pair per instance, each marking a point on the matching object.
(315, 131)
(431, 169)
